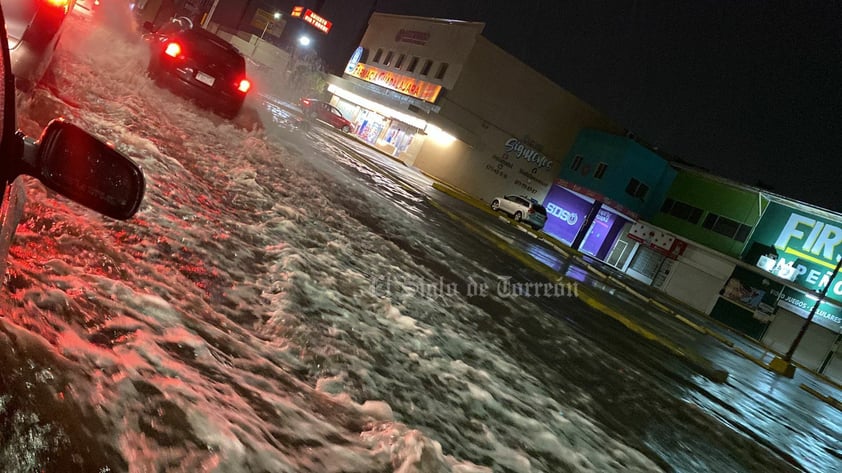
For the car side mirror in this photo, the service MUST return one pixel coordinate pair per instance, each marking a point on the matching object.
(72, 162)
(148, 26)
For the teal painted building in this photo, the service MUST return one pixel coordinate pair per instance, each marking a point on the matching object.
(605, 184)
(617, 171)
(713, 212)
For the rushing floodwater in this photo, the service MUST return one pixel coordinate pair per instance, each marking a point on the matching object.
(272, 312)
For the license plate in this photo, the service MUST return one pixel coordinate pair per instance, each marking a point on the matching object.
(205, 79)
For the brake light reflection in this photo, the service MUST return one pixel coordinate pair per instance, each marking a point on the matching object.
(244, 85)
(173, 50)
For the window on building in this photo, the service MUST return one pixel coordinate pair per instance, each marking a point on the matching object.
(637, 189)
(600, 170)
(743, 233)
(426, 69)
(681, 210)
(400, 60)
(377, 55)
(577, 163)
(442, 71)
(727, 227)
(413, 63)
(388, 59)
(710, 221)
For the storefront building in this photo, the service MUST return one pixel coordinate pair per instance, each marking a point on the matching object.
(607, 183)
(764, 260)
(789, 260)
(439, 96)
(715, 217)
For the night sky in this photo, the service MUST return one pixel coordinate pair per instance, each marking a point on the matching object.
(749, 91)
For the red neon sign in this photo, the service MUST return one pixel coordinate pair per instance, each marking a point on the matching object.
(403, 84)
(296, 12)
(316, 21)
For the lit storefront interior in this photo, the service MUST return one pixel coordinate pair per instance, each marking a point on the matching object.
(567, 213)
(388, 129)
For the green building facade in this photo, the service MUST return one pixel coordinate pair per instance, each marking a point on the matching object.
(711, 211)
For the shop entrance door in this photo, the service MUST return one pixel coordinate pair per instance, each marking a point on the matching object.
(644, 266)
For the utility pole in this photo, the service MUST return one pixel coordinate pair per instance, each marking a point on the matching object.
(210, 14)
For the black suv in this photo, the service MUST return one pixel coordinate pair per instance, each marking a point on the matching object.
(198, 64)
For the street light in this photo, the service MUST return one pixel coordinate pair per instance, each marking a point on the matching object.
(303, 41)
(276, 16)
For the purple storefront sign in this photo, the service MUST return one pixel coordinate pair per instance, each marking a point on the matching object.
(604, 225)
(566, 213)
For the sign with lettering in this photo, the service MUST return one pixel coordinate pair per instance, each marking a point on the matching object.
(320, 23)
(657, 240)
(812, 244)
(522, 151)
(297, 12)
(265, 20)
(566, 213)
(355, 59)
(399, 83)
(414, 37)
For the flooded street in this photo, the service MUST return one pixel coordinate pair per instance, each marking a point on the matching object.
(277, 306)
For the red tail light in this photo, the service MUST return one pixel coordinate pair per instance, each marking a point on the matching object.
(63, 4)
(173, 49)
(244, 85)
(305, 101)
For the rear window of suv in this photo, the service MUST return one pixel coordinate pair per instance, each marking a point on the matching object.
(539, 208)
(212, 49)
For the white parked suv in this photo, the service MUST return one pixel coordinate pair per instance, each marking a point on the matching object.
(34, 28)
(522, 209)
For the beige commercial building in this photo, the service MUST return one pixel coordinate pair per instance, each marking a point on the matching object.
(438, 95)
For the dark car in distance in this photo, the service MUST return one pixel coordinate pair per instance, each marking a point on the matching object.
(199, 65)
(313, 108)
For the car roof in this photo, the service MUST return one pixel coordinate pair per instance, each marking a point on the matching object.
(205, 34)
(208, 36)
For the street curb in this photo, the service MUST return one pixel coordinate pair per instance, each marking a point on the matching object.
(702, 365)
(824, 398)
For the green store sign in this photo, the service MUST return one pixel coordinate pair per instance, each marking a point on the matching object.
(813, 245)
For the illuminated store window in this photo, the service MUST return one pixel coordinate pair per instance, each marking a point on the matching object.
(426, 69)
(442, 71)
